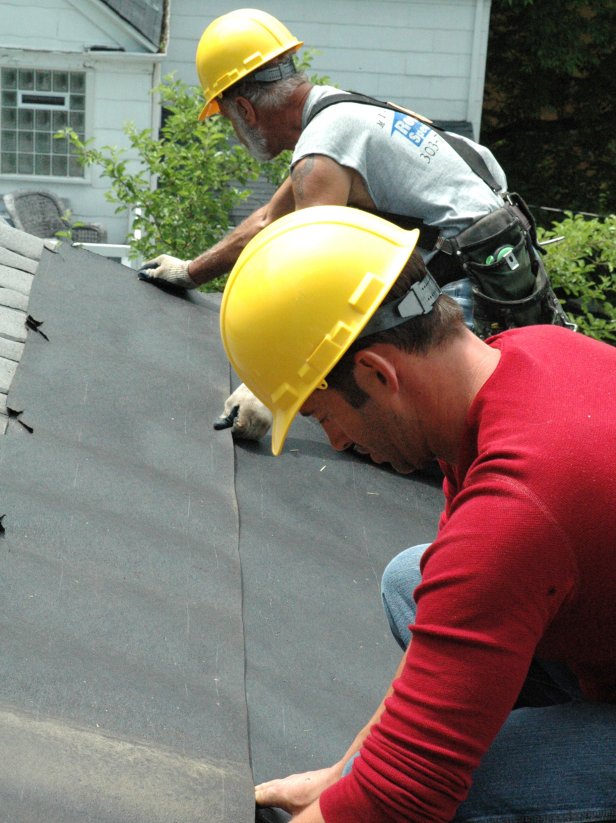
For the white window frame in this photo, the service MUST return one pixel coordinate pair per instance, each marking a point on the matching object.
(51, 63)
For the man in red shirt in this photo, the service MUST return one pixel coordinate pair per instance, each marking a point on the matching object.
(504, 703)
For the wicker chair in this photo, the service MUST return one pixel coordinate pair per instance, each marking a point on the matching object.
(41, 213)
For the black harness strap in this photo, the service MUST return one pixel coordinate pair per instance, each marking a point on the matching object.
(470, 156)
(429, 236)
(445, 266)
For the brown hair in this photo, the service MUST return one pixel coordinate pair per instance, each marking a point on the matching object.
(417, 336)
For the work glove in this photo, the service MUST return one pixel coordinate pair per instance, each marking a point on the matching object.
(168, 269)
(246, 416)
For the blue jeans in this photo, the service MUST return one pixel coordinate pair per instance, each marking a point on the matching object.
(554, 760)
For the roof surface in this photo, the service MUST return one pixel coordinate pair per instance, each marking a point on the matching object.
(181, 615)
(146, 16)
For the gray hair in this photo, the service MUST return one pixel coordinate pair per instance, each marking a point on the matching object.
(272, 95)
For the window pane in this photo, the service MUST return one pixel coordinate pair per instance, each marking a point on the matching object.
(78, 82)
(8, 162)
(9, 98)
(60, 81)
(59, 120)
(9, 140)
(59, 145)
(77, 121)
(43, 81)
(26, 79)
(59, 166)
(42, 120)
(75, 169)
(26, 119)
(78, 102)
(25, 164)
(25, 142)
(9, 79)
(9, 118)
(43, 143)
(43, 164)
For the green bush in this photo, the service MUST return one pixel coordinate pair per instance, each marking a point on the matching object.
(550, 100)
(582, 270)
(185, 182)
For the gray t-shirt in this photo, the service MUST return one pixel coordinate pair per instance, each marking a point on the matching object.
(407, 167)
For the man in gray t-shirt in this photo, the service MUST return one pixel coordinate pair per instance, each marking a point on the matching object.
(406, 166)
(349, 154)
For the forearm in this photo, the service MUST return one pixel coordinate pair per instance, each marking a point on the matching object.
(363, 733)
(310, 815)
(300, 793)
(221, 258)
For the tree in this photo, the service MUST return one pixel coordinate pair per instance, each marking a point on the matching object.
(549, 105)
(185, 182)
(182, 184)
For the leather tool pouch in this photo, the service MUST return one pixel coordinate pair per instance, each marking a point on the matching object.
(510, 285)
(495, 256)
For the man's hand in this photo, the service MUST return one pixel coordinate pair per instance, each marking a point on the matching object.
(296, 792)
(248, 417)
(168, 269)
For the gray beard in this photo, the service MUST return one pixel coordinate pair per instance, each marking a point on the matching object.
(252, 138)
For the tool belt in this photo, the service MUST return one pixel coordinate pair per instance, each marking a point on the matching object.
(500, 255)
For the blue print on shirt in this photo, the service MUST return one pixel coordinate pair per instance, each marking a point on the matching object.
(414, 131)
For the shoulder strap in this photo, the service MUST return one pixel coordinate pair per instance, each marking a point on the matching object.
(470, 156)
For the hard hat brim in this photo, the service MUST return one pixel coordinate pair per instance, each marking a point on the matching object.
(280, 429)
(209, 109)
(283, 418)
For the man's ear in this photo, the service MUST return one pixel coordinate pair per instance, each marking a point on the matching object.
(375, 373)
(247, 110)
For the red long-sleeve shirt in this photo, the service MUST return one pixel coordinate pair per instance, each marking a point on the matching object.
(524, 563)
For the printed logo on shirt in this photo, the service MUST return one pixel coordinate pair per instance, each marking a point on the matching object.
(414, 131)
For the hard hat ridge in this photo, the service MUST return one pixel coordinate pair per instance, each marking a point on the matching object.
(418, 300)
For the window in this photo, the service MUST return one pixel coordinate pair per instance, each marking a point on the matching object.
(35, 104)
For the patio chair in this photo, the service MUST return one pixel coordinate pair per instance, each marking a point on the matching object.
(41, 213)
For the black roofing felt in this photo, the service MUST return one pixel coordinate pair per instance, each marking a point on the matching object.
(177, 613)
(122, 642)
(146, 16)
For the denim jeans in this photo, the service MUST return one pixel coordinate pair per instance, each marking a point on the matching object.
(554, 760)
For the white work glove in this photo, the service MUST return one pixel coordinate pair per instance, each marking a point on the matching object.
(246, 416)
(168, 269)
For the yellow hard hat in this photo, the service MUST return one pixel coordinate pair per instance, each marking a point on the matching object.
(235, 45)
(298, 296)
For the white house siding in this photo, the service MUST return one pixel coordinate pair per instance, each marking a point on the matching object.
(427, 55)
(57, 35)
